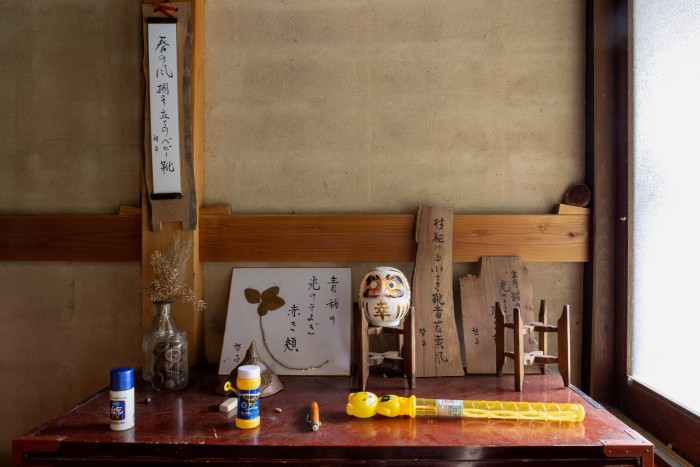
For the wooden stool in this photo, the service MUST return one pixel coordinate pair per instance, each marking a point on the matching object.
(362, 356)
(537, 357)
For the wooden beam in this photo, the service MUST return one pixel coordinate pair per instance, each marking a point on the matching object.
(608, 133)
(534, 238)
(297, 238)
(197, 277)
(186, 316)
(301, 238)
(70, 238)
(389, 238)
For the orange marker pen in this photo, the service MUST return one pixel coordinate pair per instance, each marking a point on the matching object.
(313, 420)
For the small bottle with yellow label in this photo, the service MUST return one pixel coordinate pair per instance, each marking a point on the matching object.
(248, 383)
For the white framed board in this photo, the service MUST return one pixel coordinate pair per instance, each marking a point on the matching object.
(299, 318)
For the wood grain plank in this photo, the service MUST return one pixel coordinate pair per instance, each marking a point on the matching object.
(533, 238)
(308, 238)
(303, 238)
(379, 237)
(437, 342)
(70, 238)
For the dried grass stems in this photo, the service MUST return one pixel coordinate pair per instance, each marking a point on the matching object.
(168, 283)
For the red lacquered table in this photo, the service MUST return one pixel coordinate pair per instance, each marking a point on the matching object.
(187, 426)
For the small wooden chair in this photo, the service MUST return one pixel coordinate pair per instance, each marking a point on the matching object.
(405, 357)
(537, 357)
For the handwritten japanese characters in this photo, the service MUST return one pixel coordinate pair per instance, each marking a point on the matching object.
(298, 317)
(504, 280)
(437, 341)
(164, 110)
(437, 297)
(509, 298)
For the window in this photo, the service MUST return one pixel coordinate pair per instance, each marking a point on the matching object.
(666, 247)
(658, 373)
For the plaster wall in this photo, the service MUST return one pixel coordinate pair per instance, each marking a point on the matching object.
(313, 106)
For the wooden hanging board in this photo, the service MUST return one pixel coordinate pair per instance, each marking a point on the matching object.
(500, 279)
(437, 341)
(181, 206)
(164, 219)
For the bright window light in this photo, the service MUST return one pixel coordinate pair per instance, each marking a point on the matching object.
(666, 239)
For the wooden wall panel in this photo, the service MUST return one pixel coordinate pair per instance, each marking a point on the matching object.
(300, 238)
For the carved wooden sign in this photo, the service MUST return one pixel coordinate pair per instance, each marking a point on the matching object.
(437, 341)
(500, 279)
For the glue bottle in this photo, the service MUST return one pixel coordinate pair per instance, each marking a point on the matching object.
(248, 384)
(121, 398)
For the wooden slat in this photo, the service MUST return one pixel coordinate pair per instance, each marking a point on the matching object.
(378, 238)
(70, 238)
(534, 238)
(308, 238)
(302, 238)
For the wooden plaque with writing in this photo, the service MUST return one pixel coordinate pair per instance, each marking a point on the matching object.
(180, 206)
(437, 341)
(500, 279)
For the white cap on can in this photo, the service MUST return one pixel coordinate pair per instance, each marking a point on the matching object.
(249, 371)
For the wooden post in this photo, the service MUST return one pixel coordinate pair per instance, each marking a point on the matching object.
(500, 339)
(518, 350)
(185, 315)
(361, 346)
(543, 334)
(564, 346)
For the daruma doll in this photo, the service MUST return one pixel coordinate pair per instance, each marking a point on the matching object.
(385, 296)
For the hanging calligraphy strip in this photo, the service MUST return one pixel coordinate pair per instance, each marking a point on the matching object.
(163, 92)
(437, 341)
(168, 122)
(500, 279)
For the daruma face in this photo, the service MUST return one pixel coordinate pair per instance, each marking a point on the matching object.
(385, 296)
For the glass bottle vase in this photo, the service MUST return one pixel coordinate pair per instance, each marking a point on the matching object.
(147, 368)
(165, 356)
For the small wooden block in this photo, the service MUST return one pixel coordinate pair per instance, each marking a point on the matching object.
(569, 209)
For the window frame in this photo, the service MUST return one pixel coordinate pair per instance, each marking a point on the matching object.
(609, 168)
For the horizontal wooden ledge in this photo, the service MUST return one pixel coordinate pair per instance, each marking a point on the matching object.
(299, 237)
(389, 237)
(70, 238)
